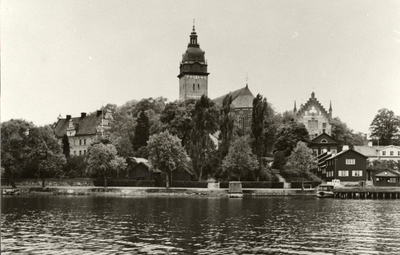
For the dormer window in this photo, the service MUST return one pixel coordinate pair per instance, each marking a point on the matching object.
(324, 141)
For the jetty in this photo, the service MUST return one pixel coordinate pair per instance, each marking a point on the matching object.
(367, 192)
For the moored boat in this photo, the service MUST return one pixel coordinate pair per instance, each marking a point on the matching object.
(11, 191)
(325, 190)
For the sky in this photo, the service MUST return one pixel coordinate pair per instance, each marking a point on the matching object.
(72, 56)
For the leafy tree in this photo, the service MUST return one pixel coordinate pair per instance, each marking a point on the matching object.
(301, 161)
(226, 126)
(75, 167)
(344, 135)
(14, 139)
(258, 129)
(204, 123)
(102, 159)
(167, 154)
(240, 159)
(386, 126)
(378, 165)
(177, 118)
(289, 135)
(141, 132)
(45, 158)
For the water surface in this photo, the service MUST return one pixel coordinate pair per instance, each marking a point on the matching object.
(47, 224)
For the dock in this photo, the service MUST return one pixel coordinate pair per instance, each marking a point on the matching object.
(367, 193)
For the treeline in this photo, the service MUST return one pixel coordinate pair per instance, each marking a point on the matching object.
(138, 127)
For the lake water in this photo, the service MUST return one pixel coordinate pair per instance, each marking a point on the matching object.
(48, 224)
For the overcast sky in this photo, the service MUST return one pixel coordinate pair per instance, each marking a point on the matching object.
(72, 56)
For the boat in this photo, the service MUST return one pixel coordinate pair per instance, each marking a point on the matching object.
(325, 190)
(11, 191)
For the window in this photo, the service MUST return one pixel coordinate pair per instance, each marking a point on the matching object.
(84, 141)
(356, 173)
(323, 171)
(350, 161)
(75, 153)
(391, 153)
(80, 142)
(329, 174)
(84, 152)
(312, 124)
(80, 153)
(198, 86)
(194, 86)
(343, 173)
(392, 180)
(398, 153)
(324, 141)
(383, 153)
(334, 151)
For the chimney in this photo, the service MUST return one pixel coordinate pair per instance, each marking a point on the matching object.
(68, 117)
(83, 114)
(345, 147)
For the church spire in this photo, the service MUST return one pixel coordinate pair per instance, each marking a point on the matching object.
(295, 109)
(193, 37)
(330, 109)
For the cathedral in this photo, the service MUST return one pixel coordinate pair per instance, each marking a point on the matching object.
(314, 116)
(193, 83)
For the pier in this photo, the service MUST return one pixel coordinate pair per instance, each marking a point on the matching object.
(367, 193)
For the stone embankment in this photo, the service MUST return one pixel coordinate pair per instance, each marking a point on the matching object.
(151, 191)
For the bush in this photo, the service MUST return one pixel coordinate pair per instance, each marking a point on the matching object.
(189, 184)
(124, 183)
(297, 185)
(255, 185)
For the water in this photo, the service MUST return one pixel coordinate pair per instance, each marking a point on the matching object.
(47, 224)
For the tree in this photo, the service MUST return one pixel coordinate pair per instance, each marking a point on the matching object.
(141, 132)
(102, 159)
(289, 135)
(65, 146)
(226, 125)
(75, 167)
(240, 159)
(167, 154)
(14, 150)
(257, 128)
(46, 157)
(301, 161)
(385, 126)
(344, 135)
(204, 123)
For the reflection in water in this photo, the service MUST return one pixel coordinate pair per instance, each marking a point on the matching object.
(186, 225)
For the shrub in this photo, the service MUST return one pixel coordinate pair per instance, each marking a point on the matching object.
(189, 184)
(124, 183)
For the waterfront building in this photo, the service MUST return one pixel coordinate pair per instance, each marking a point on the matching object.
(241, 106)
(193, 75)
(387, 178)
(314, 117)
(348, 166)
(81, 131)
(390, 152)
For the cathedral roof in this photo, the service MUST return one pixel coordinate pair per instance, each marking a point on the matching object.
(241, 98)
(193, 52)
(313, 102)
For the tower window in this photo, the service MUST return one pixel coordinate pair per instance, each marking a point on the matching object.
(194, 86)
(198, 86)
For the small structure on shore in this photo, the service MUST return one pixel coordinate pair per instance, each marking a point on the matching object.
(235, 190)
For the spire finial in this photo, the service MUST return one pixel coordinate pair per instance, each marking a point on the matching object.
(247, 79)
(295, 108)
(193, 24)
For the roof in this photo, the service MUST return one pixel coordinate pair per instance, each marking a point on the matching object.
(145, 163)
(241, 98)
(325, 136)
(389, 147)
(345, 151)
(366, 151)
(83, 125)
(312, 101)
(387, 173)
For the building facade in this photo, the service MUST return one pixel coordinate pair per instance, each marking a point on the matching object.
(241, 106)
(81, 131)
(348, 166)
(314, 117)
(325, 143)
(193, 76)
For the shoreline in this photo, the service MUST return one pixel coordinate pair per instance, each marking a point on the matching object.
(155, 191)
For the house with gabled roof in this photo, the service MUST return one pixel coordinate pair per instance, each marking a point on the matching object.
(325, 143)
(241, 106)
(81, 131)
(348, 166)
(387, 178)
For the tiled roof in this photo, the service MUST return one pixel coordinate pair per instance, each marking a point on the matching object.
(83, 125)
(241, 98)
(366, 151)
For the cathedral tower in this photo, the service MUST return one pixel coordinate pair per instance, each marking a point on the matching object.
(193, 76)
